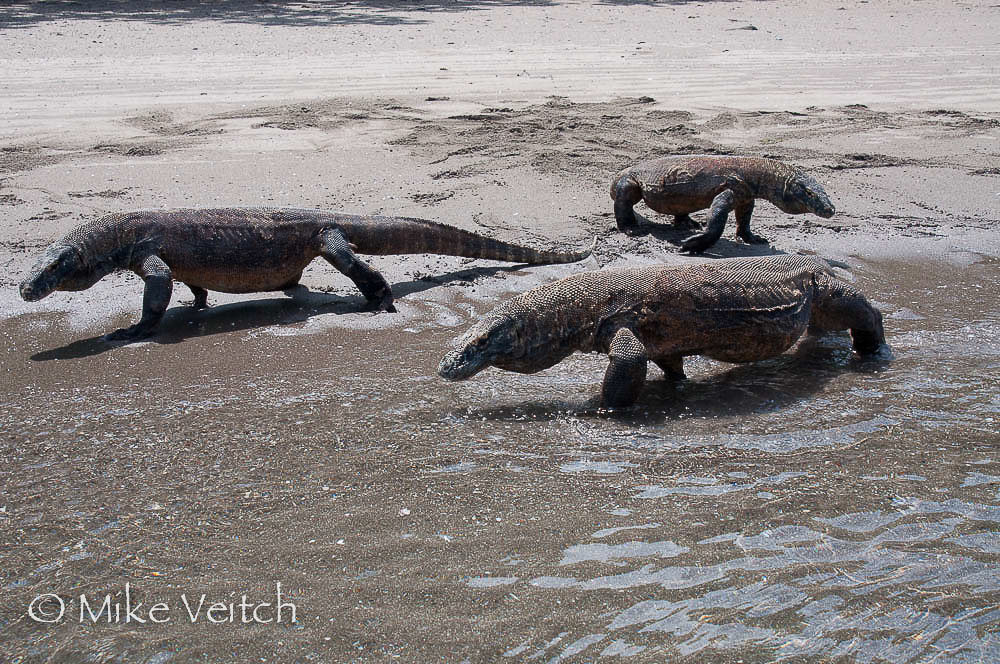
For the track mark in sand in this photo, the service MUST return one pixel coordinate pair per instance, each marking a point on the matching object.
(865, 160)
(10, 200)
(166, 133)
(472, 170)
(170, 135)
(134, 148)
(431, 197)
(958, 119)
(49, 216)
(107, 193)
(15, 158)
(592, 140)
(558, 136)
(162, 123)
(323, 114)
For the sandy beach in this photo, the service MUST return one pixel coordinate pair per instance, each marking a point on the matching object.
(807, 508)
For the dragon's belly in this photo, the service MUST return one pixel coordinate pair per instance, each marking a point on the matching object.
(754, 343)
(239, 278)
(681, 196)
(240, 260)
(728, 334)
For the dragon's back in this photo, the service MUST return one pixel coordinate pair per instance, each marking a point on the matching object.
(233, 250)
(736, 310)
(758, 281)
(739, 308)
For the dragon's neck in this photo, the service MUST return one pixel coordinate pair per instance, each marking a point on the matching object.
(105, 244)
(766, 177)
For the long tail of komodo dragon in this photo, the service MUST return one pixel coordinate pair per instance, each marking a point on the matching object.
(407, 235)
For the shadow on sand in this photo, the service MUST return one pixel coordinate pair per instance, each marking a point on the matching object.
(667, 233)
(742, 390)
(183, 322)
(27, 13)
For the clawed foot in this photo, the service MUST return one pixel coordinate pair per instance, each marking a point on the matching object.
(596, 406)
(133, 333)
(380, 305)
(883, 352)
(878, 356)
(867, 344)
(609, 409)
(753, 238)
(696, 244)
(198, 306)
(634, 231)
(674, 376)
(296, 291)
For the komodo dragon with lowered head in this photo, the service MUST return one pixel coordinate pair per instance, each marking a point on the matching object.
(734, 310)
(684, 184)
(246, 250)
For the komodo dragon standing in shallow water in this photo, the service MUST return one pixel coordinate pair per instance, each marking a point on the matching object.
(246, 250)
(684, 184)
(734, 310)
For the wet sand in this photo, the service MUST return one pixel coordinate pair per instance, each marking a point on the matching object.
(814, 507)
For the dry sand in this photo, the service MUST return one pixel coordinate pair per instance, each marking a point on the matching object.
(298, 440)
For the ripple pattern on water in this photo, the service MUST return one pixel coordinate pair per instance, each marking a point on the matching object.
(701, 486)
(607, 552)
(799, 592)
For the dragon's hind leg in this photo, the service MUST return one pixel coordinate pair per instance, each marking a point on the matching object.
(743, 214)
(200, 297)
(337, 250)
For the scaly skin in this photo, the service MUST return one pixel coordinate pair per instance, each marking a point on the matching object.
(245, 250)
(734, 310)
(684, 184)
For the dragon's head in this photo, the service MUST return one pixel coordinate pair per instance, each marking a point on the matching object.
(61, 267)
(492, 338)
(871, 342)
(802, 194)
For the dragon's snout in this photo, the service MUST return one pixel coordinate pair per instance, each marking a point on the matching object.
(459, 364)
(36, 287)
(54, 268)
(33, 289)
(819, 201)
(28, 293)
(824, 208)
(473, 352)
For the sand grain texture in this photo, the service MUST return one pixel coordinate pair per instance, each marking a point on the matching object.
(809, 508)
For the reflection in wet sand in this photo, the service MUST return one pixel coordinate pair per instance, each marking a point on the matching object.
(811, 507)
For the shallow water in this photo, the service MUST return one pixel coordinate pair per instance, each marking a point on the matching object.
(814, 506)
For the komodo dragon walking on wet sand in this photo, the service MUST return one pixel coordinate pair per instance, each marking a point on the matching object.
(684, 184)
(247, 250)
(734, 310)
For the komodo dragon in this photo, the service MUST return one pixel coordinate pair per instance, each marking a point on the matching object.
(246, 250)
(684, 184)
(734, 310)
